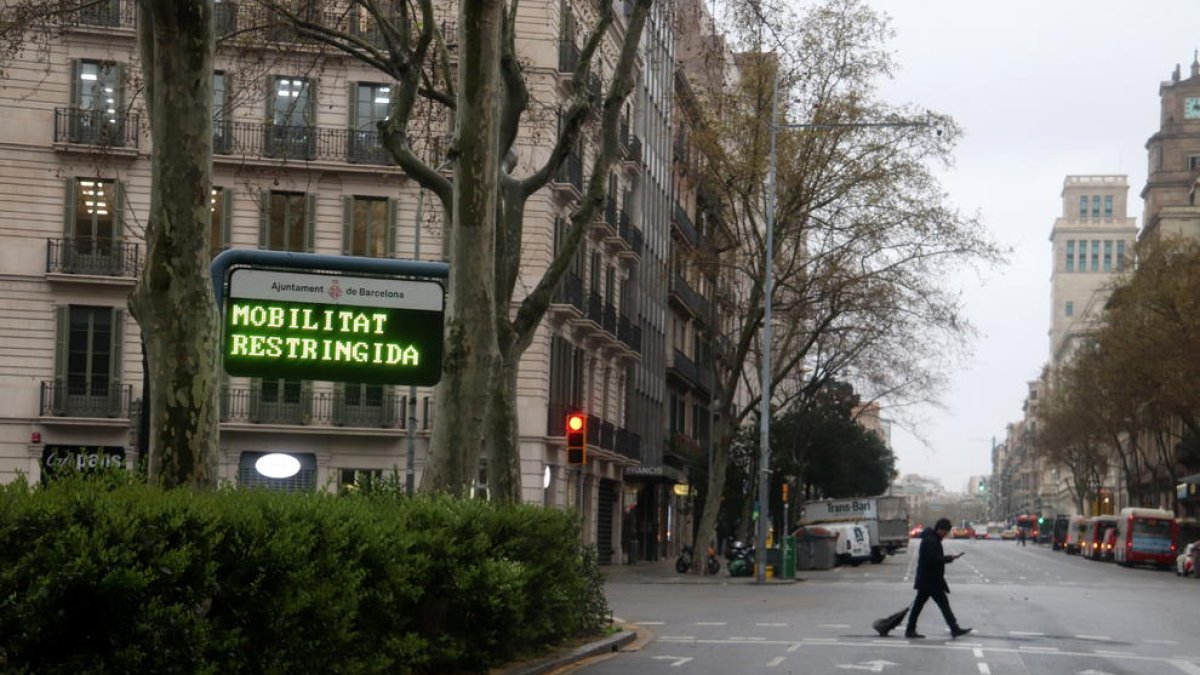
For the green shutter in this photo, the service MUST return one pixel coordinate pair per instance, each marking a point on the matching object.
(76, 67)
(389, 242)
(310, 222)
(119, 211)
(69, 208)
(119, 69)
(347, 224)
(226, 217)
(116, 365)
(352, 107)
(264, 218)
(62, 317)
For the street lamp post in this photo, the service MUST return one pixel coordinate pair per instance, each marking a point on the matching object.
(764, 460)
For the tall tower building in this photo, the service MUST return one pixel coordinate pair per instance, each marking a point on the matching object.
(1174, 160)
(1091, 242)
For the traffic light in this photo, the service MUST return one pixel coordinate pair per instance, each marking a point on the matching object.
(576, 438)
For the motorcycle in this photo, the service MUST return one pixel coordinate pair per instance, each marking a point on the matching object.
(741, 559)
(684, 562)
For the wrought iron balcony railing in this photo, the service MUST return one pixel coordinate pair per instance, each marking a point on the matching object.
(99, 257)
(570, 173)
(65, 398)
(630, 233)
(629, 444)
(86, 126)
(570, 292)
(683, 223)
(105, 14)
(629, 333)
(370, 407)
(688, 296)
(307, 143)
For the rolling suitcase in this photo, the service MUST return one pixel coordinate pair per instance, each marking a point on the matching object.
(889, 623)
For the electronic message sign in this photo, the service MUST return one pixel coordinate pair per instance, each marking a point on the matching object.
(306, 326)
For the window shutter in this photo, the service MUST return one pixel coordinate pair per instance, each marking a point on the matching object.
(69, 208)
(306, 401)
(226, 217)
(62, 317)
(347, 224)
(352, 107)
(310, 222)
(390, 240)
(116, 401)
(76, 68)
(119, 72)
(264, 218)
(254, 401)
(119, 211)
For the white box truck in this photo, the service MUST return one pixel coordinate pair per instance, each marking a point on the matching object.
(886, 519)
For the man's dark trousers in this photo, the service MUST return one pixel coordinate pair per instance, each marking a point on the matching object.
(943, 603)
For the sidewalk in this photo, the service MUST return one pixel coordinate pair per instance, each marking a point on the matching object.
(663, 572)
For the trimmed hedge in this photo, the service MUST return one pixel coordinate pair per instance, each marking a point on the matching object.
(97, 578)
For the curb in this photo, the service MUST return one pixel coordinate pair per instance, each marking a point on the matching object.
(610, 643)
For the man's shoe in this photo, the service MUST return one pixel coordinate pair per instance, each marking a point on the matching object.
(959, 632)
(913, 635)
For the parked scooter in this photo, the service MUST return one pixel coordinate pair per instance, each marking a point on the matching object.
(684, 562)
(741, 559)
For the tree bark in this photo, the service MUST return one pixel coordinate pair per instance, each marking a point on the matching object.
(173, 301)
(471, 349)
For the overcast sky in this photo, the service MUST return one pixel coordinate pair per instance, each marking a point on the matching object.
(1043, 89)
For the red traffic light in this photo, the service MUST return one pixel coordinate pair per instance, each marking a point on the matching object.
(576, 422)
(576, 438)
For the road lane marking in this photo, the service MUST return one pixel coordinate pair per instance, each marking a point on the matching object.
(1026, 633)
(812, 639)
(978, 653)
(793, 648)
(833, 625)
(775, 661)
(1160, 642)
(746, 639)
(650, 623)
(1186, 666)
(1101, 638)
(679, 660)
(1037, 649)
(983, 669)
(1113, 653)
(709, 623)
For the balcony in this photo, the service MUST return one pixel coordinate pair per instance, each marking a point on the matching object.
(623, 137)
(305, 143)
(681, 150)
(610, 319)
(96, 400)
(633, 154)
(687, 298)
(629, 334)
(568, 299)
(84, 126)
(631, 235)
(605, 226)
(93, 257)
(629, 444)
(104, 15)
(568, 57)
(568, 181)
(687, 372)
(225, 19)
(683, 223)
(374, 408)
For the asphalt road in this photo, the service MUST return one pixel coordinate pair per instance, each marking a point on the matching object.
(1034, 611)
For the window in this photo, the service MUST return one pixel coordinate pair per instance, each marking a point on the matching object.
(221, 209)
(1083, 255)
(1070, 309)
(304, 481)
(369, 227)
(292, 118)
(87, 362)
(286, 221)
(1193, 162)
(356, 480)
(1095, 255)
(92, 227)
(222, 131)
(369, 104)
(1095, 206)
(1120, 255)
(281, 401)
(364, 405)
(97, 100)
(1108, 206)
(1108, 255)
(1070, 255)
(1083, 202)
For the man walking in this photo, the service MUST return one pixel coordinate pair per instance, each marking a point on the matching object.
(931, 580)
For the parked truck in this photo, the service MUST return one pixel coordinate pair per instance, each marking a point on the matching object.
(886, 519)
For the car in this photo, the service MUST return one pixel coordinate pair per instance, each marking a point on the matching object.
(1185, 563)
(915, 533)
(962, 533)
(1009, 534)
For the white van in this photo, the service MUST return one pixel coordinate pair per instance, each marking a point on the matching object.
(853, 546)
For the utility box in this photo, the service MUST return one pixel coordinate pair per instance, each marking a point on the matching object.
(816, 548)
(789, 558)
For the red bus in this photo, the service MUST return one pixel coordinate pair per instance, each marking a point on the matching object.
(1029, 523)
(1147, 537)
(1093, 543)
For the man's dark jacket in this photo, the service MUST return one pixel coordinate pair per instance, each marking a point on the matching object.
(931, 563)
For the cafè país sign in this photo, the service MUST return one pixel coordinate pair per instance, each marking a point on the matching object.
(304, 326)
